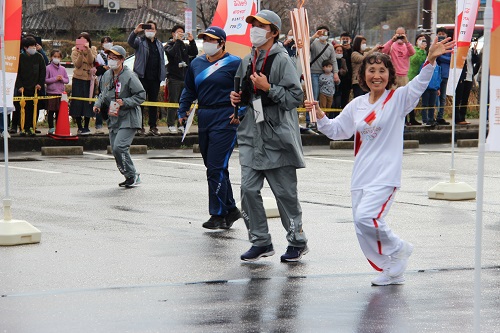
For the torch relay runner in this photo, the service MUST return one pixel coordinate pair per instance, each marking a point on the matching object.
(377, 121)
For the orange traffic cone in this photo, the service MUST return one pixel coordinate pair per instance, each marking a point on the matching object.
(62, 125)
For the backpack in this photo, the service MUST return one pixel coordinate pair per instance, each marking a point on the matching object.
(435, 82)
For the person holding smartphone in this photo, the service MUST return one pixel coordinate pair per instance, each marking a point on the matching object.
(149, 65)
(83, 56)
(179, 57)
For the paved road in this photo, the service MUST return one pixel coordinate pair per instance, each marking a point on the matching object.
(137, 260)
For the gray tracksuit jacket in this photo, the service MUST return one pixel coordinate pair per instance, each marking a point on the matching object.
(131, 92)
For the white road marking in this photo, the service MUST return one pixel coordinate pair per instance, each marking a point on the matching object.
(329, 159)
(182, 163)
(101, 155)
(30, 169)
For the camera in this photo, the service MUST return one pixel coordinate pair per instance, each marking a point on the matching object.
(147, 26)
(400, 37)
(325, 33)
(182, 64)
(441, 38)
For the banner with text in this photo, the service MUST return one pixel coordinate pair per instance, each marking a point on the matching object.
(493, 140)
(464, 28)
(230, 16)
(11, 18)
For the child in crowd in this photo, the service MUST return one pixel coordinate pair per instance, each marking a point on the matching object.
(326, 85)
(55, 79)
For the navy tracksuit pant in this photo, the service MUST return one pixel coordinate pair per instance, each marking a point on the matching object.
(217, 139)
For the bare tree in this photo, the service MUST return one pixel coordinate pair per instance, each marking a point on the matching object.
(351, 16)
(79, 17)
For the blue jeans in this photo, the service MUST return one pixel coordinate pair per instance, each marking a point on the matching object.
(442, 98)
(315, 86)
(428, 104)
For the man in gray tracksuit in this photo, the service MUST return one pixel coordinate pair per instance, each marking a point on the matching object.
(122, 93)
(269, 139)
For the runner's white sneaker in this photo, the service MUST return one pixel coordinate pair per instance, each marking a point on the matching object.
(384, 279)
(399, 260)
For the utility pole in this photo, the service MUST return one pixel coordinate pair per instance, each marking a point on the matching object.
(427, 16)
(192, 6)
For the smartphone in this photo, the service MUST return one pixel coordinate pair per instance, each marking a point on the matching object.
(441, 38)
(400, 37)
(325, 33)
(147, 26)
(38, 40)
(80, 44)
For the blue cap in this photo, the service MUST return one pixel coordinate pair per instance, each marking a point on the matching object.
(214, 32)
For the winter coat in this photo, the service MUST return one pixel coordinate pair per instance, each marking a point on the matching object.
(274, 142)
(140, 45)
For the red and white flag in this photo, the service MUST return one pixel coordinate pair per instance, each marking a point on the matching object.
(230, 15)
(493, 140)
(10, 17)
(464, 27)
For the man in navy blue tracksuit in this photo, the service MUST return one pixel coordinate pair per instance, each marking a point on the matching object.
(210, 80)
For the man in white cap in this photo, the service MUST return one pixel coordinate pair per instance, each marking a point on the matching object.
(269, 138)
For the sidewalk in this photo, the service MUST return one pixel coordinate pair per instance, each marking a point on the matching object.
(424, 134)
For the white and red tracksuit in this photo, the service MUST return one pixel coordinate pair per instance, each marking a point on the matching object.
(378, 147)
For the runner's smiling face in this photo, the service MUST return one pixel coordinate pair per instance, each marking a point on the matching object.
(376, 77)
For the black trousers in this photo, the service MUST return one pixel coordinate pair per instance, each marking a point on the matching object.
(462, 94)
(152, 88)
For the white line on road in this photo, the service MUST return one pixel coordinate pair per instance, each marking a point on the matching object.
(101, 155)
(175, 162)
(329, 159)
(29, 169)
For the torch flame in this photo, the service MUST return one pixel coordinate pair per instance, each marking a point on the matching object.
(300, 3)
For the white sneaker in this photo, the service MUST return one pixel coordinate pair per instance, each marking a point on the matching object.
(399, 260)
(6, 133)
(172, 130)
(181, 129)
(384, 279)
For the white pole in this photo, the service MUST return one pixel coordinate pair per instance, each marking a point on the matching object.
(483, 109)
(258, 6)
(6, 201)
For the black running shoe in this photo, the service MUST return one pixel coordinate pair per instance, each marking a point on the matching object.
(257, 252)
(214, 222)
(232, 216)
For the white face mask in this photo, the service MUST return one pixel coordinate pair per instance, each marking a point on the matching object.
(150, 34)
(338, 56)
(31, 51)
(107, 46)
(56, 61)
(210, 48)
(363, 47)
(113, 64)
(420, 43)
(323, 38)
(258, 36)
(327, 70)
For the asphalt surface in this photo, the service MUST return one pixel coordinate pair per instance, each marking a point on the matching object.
(137, 260)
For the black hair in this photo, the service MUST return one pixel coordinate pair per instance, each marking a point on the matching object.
(106, 39)
(152, 22)
(178, 26)
(345, 34)
(28, 41)
(273, 30)
(85, 35)
(326, 62)
(378, 58)
(442, 29)
(323, 27)
(356, 44)
(54, 51)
